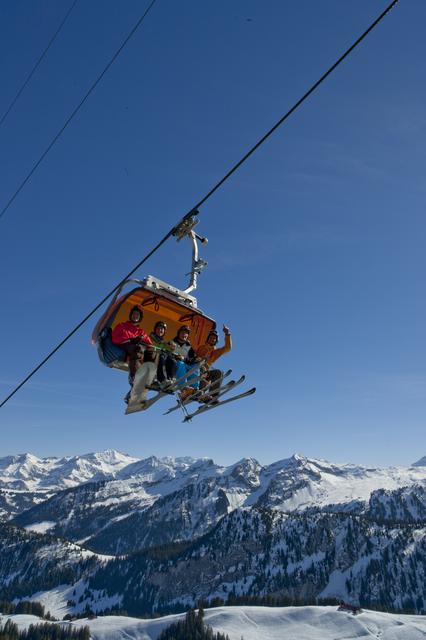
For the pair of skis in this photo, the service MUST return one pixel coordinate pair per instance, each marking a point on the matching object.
(214, 403)
(196, 396)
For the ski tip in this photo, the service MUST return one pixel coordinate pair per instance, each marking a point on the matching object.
(136, 407)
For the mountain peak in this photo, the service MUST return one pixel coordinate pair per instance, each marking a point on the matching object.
(420, 463)
(299, 458)
(112, 456)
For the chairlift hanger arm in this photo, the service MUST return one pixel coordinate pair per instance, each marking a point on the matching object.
(186, 229)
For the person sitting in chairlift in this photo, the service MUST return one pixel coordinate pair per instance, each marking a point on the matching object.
(210, 353)
(166, 363)
(133, 340)
(185, 360)
(140, 354)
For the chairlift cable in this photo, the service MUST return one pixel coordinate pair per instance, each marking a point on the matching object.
(84, 320)
(77, 109)
(295, 106)
(202, 201)
(37, 64)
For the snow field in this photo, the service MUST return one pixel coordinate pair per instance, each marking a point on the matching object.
(263, 623)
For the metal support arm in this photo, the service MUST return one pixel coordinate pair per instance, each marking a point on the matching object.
(186, 228)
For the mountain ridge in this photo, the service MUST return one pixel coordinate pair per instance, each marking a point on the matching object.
(163, 500)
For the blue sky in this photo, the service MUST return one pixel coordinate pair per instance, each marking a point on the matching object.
(316, 246)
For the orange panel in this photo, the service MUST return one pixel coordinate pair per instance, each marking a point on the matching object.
(157, 307)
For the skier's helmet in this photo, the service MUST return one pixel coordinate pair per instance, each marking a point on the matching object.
(138, 310)
(184, 328)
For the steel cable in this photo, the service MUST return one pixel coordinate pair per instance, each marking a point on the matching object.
(37, 64)
(76, 110)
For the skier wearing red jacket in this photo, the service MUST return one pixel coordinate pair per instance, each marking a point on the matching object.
(134, 341)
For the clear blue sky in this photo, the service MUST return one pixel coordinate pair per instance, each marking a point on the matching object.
(316, 246)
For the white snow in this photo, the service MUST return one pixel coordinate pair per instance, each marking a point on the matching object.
(293, 483)
(326, 483)
(263, 623)
(55, 600)
(27, 472)
(40, 527)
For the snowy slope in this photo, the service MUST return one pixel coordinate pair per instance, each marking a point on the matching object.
(263, 623)
(407, 504)
(250, 552)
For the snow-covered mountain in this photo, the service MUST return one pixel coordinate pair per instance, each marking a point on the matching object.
(183, 529)
(251, 553)
(407, 504)
(290, 483)
(158, 501)
(26, 480)
(39, 561)
(26, 472)
(299, 482)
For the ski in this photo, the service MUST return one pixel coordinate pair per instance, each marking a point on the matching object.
(201, 392)
(142, 406)
(219, 404)
(197, 394)
(195, 397)
(226, 387)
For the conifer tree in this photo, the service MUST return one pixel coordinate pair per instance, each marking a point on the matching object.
(192, 627)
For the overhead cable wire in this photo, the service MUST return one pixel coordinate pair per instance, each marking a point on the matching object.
(296, 105)
(77, 109)
(194, 209)
(37, 64)
(84, 320)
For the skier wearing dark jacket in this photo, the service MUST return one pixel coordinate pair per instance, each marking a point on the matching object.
(166, 363)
